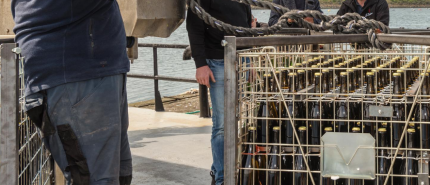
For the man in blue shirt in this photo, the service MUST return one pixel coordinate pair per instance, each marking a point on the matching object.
(295, 5)
(75, 72)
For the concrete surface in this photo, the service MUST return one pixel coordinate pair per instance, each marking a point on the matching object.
(169, 148)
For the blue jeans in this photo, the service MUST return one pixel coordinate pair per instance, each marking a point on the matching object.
(217, 98)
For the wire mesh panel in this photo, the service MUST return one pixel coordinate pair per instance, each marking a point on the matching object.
(34, 164)
(291, 96)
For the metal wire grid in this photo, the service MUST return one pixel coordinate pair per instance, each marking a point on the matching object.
(35, 162)
(252, 88)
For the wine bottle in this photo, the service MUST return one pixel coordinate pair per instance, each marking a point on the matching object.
(249, 176)
(284, 79)
(274, 160)
(342, 110)
(410, 165)
(383, 162)
(399, 111)
(369, 124)
(300, 178)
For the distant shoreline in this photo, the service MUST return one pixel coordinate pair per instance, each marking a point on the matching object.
(336, 6)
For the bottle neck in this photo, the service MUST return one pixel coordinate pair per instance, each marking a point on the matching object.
(343, 85)
(275, 136)
(396, 88)
(324, 81)
(382, 142)
(293, 84)
(411, 138)
(317, 84)
(425, 86)
(370, 85)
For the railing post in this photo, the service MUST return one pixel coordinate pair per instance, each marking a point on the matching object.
(205, 111)
(9, 115)
(230, 111)
(158, 102)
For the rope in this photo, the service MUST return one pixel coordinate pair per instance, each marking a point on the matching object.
(350, 23)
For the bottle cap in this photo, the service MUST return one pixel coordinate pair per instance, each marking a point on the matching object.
(355, 129)
(397, 74)
(302, 128)
(277, 72)
(375, 70)
(267, 75)
(326, 62)
(354, 68)
(382, 130)
(292, 74)
(358, 66)
(400, 71)
(350, 70)
(275, 128)
(319, 64)
(370, 74)
(403, 67)
(299, 65)
(384, 124)
(325, 70)
(336, 66)
(411, 130)
(285, 69)
(252, 128)
(328, 129)
(304, 63)
(300, 71)
(412, 124)
(343, 73)
(314, 66)
(317, 74)
(358, 123)
(292, 67)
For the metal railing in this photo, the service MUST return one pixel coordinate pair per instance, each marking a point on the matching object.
(203, 90)
(23, 156)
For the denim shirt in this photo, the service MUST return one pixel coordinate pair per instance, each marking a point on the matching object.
(68, 41)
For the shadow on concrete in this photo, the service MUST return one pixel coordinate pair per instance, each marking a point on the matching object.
(155, 172)
(167, 132)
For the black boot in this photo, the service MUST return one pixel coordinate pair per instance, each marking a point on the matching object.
(213, 178)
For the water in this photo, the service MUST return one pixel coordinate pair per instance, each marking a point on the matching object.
(170, 61)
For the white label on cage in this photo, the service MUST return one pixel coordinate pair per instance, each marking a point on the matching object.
(381, 111)
(348, 155)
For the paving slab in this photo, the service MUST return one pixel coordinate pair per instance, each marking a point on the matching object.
(169, 148)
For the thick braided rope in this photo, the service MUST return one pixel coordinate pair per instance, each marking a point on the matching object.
(346, 24)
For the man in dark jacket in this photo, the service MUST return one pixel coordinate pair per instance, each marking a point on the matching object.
(295, 5)
(208, 55)
(75, 72)
(370, 9)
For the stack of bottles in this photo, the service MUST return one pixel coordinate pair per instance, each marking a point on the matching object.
(335, 96)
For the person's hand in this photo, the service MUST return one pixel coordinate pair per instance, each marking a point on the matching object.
(290, 21)
(254, 23)
(203, 74)
(309, 19)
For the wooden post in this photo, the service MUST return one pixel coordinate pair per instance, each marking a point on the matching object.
(230, 111)
(9, 115)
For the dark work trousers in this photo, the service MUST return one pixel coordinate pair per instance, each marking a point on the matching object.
(91, 117)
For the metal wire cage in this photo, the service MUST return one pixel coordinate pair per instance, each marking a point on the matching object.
(289, 96)
(35, 162)
(24, 160)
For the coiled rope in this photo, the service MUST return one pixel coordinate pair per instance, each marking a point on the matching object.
(350, 23)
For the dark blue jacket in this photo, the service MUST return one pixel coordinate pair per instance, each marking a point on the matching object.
(294, 4)
(69, 40)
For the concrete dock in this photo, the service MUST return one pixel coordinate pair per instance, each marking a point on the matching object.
(169, 148)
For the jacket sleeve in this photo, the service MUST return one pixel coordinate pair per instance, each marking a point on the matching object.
(342, 9)
(196, 35)
(318, 8)
(274, 16)
(383, 12)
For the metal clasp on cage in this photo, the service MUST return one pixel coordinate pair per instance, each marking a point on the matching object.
(423, 177)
